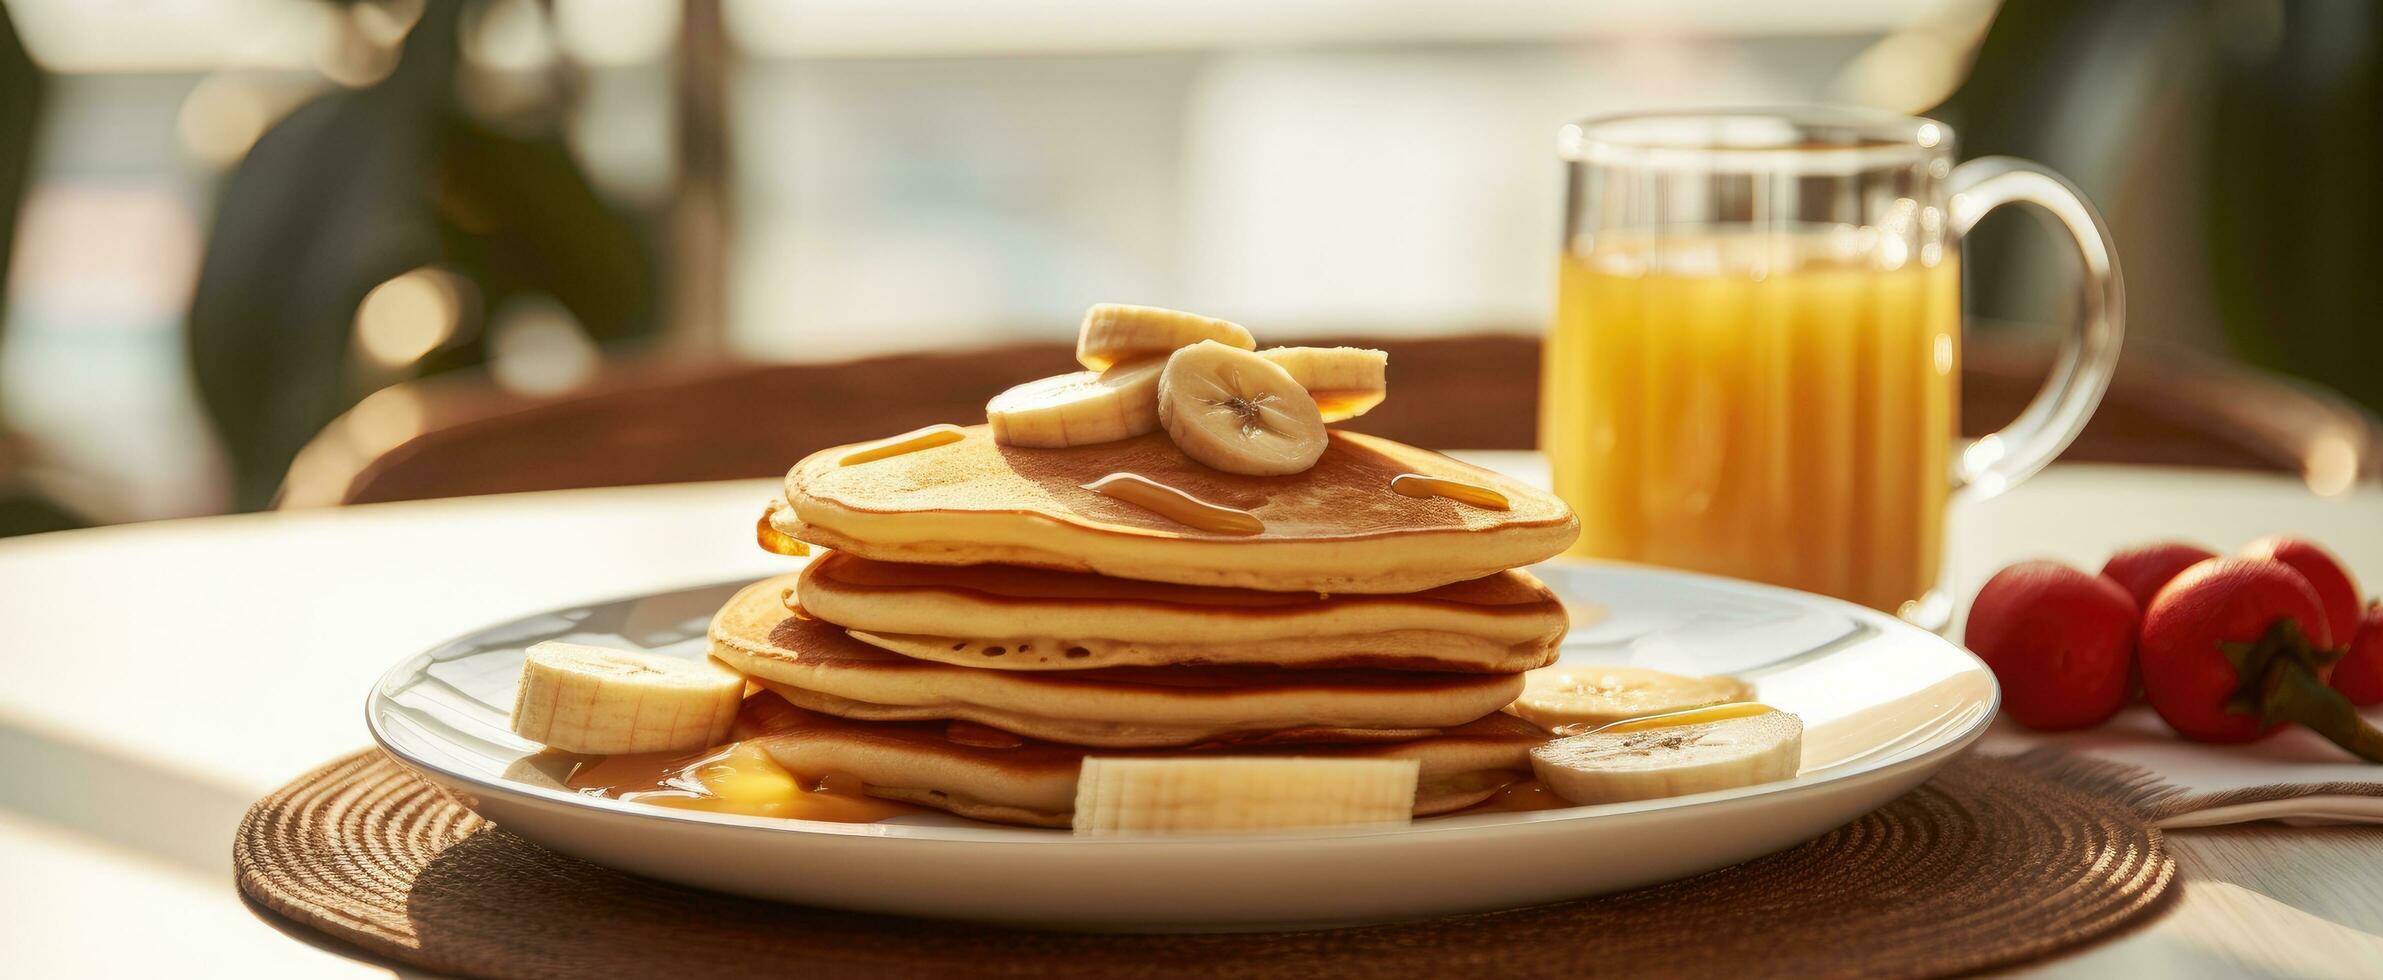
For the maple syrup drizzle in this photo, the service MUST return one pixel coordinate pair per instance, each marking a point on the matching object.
(1176, 505)
(1419, 485)
(774, 540)
(943, 434)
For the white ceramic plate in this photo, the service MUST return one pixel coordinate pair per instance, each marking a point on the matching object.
(1884, 704)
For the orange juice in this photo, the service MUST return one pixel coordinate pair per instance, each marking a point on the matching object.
(1771, 406)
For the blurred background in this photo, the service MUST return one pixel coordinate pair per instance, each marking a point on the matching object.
(266, 253)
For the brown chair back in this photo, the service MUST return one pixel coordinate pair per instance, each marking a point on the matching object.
(645, 423)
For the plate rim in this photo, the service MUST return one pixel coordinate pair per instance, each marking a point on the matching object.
(1936, 746)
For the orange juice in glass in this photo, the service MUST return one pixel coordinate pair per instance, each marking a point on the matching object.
(1753, 367)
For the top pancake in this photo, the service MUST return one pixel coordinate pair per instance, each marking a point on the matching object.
(1337, 527)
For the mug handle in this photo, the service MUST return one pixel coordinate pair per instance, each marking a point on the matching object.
(2089, 354)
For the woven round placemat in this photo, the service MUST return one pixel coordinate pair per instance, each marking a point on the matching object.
(1985, 866)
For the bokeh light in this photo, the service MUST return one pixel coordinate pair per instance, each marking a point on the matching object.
(225, 114)
(537, 347)
(409, 316)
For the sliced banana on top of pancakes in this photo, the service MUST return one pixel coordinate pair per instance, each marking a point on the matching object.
(1236, 409)
(1238, 412)
(1079, 409)
(1114, 333)
(1346, 382)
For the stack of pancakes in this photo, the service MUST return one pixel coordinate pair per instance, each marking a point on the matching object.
(985, 621)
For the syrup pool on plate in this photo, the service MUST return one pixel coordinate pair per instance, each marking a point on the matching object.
(738, 777)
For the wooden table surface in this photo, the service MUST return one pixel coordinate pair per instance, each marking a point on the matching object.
(162, 676)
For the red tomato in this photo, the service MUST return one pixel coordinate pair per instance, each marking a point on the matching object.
(2060, 641)
(2335, 587)
(2186, 676)
(2359, 674)
(2142, 569)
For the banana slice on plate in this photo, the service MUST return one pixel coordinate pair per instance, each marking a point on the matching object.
(1346, 382)
(1566, 694)
(599, 701)
(1651, 763)
(1242, 793)
(1235, 411)
(1114, 333)
(1079, 409)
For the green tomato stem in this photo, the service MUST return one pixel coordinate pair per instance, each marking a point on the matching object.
(2292, 692)
(2280, 683)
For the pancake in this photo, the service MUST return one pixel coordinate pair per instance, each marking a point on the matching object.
(1110, 706)
(1009, 617)
(1096, 734)
(1337, 527)
(1034, 782)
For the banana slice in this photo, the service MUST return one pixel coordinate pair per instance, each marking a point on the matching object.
(1242, 793)
(1646, 764)
(1238, 412)
(596, 701)
(1079, 409)
(1601, 694)
(1346, 382)
(1115, 333)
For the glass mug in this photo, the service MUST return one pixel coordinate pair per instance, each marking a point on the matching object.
(1754, 366)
